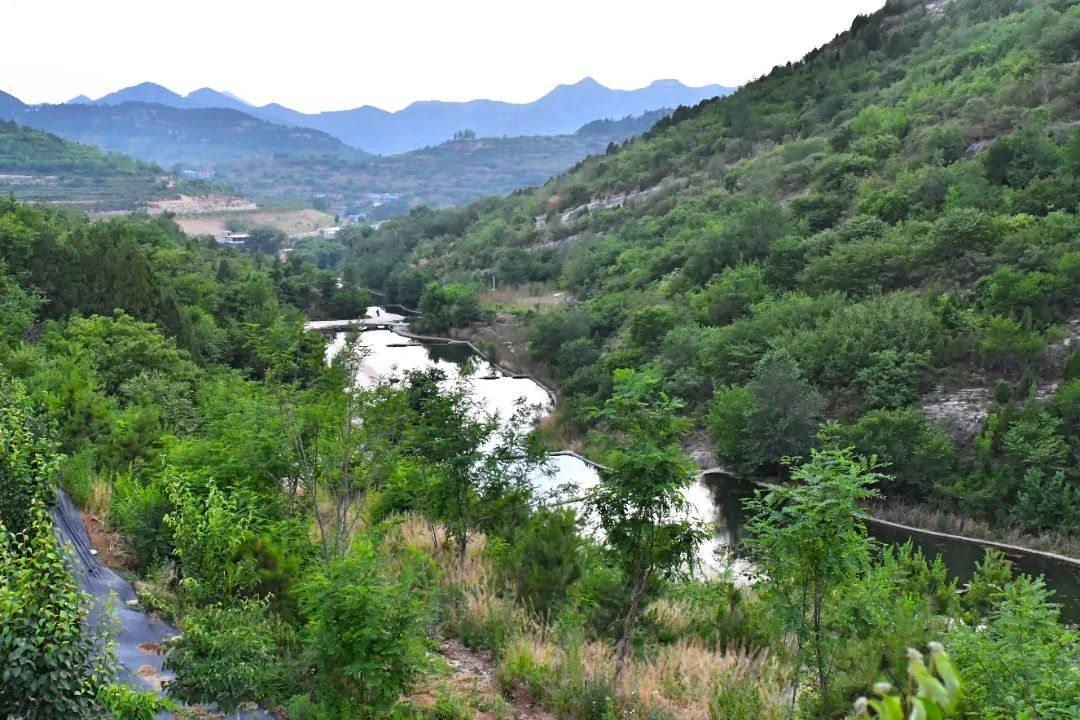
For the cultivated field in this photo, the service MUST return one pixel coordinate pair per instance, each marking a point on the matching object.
(293, 222)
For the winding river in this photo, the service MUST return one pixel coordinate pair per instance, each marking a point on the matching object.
(716, 498)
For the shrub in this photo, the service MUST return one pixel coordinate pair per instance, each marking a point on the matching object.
(225, 655)
(990, 577)
(893, 380)
(722, 615)
(736, 700)
(599, 598)
(1022, 662)
(1048, 502)
(127, 704)
(208, 533)
(365, 629)
(54, 663)
(519, 668)
(138, 510)
(1066, 405)
(27, 458)
(919, 454)
(545, 559)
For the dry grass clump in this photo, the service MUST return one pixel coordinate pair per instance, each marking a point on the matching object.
(680, 680)
(558, 669)
(675, 617)
(99, 501)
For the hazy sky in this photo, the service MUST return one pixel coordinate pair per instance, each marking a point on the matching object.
(325, 54)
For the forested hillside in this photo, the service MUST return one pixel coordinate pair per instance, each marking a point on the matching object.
(827, 258)
(36, 165)
(332, 551)
(24, 149)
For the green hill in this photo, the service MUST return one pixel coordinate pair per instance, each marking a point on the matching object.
(879, 237)
(24, 149)
(36, 165)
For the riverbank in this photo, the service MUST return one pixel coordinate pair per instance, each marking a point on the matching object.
(927, 519)
(487, 356)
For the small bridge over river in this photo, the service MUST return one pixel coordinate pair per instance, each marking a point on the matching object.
(381, 321)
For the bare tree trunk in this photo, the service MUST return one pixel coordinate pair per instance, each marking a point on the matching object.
(819, 652)
(629, 625)
(799, 647)
(462, 546)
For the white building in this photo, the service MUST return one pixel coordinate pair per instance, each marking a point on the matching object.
(231, 238)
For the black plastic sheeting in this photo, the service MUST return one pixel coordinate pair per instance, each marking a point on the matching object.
(136, 633)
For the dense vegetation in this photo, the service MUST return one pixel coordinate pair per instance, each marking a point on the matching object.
(825, 259)
(23, 149)
(322, 546)
(129, 320)
(316, 541)
(36, 165)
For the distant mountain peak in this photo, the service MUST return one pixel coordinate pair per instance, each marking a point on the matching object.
(147, 85)
(210, 95)
(80, 100)
(143, 92)
(586, 83)
(667, 82)
(563, 110)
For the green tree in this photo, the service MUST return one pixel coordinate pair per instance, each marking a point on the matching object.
(545, 559)
(365, 629)
(471, 466)
(919, 454)
(17, 307)
(208, 528)
(810, 547)
(28, 458)
(447, 306)
(639, 505)
(775, 416)
(1023, 663)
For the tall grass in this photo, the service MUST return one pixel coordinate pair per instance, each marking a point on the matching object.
(559, 669)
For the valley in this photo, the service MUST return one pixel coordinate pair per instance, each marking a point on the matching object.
(675, 403)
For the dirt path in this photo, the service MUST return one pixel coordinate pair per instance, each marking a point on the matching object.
(472, 682)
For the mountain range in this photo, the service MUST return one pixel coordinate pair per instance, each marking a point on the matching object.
(561, 111)
(276, 152)
(169, 135)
